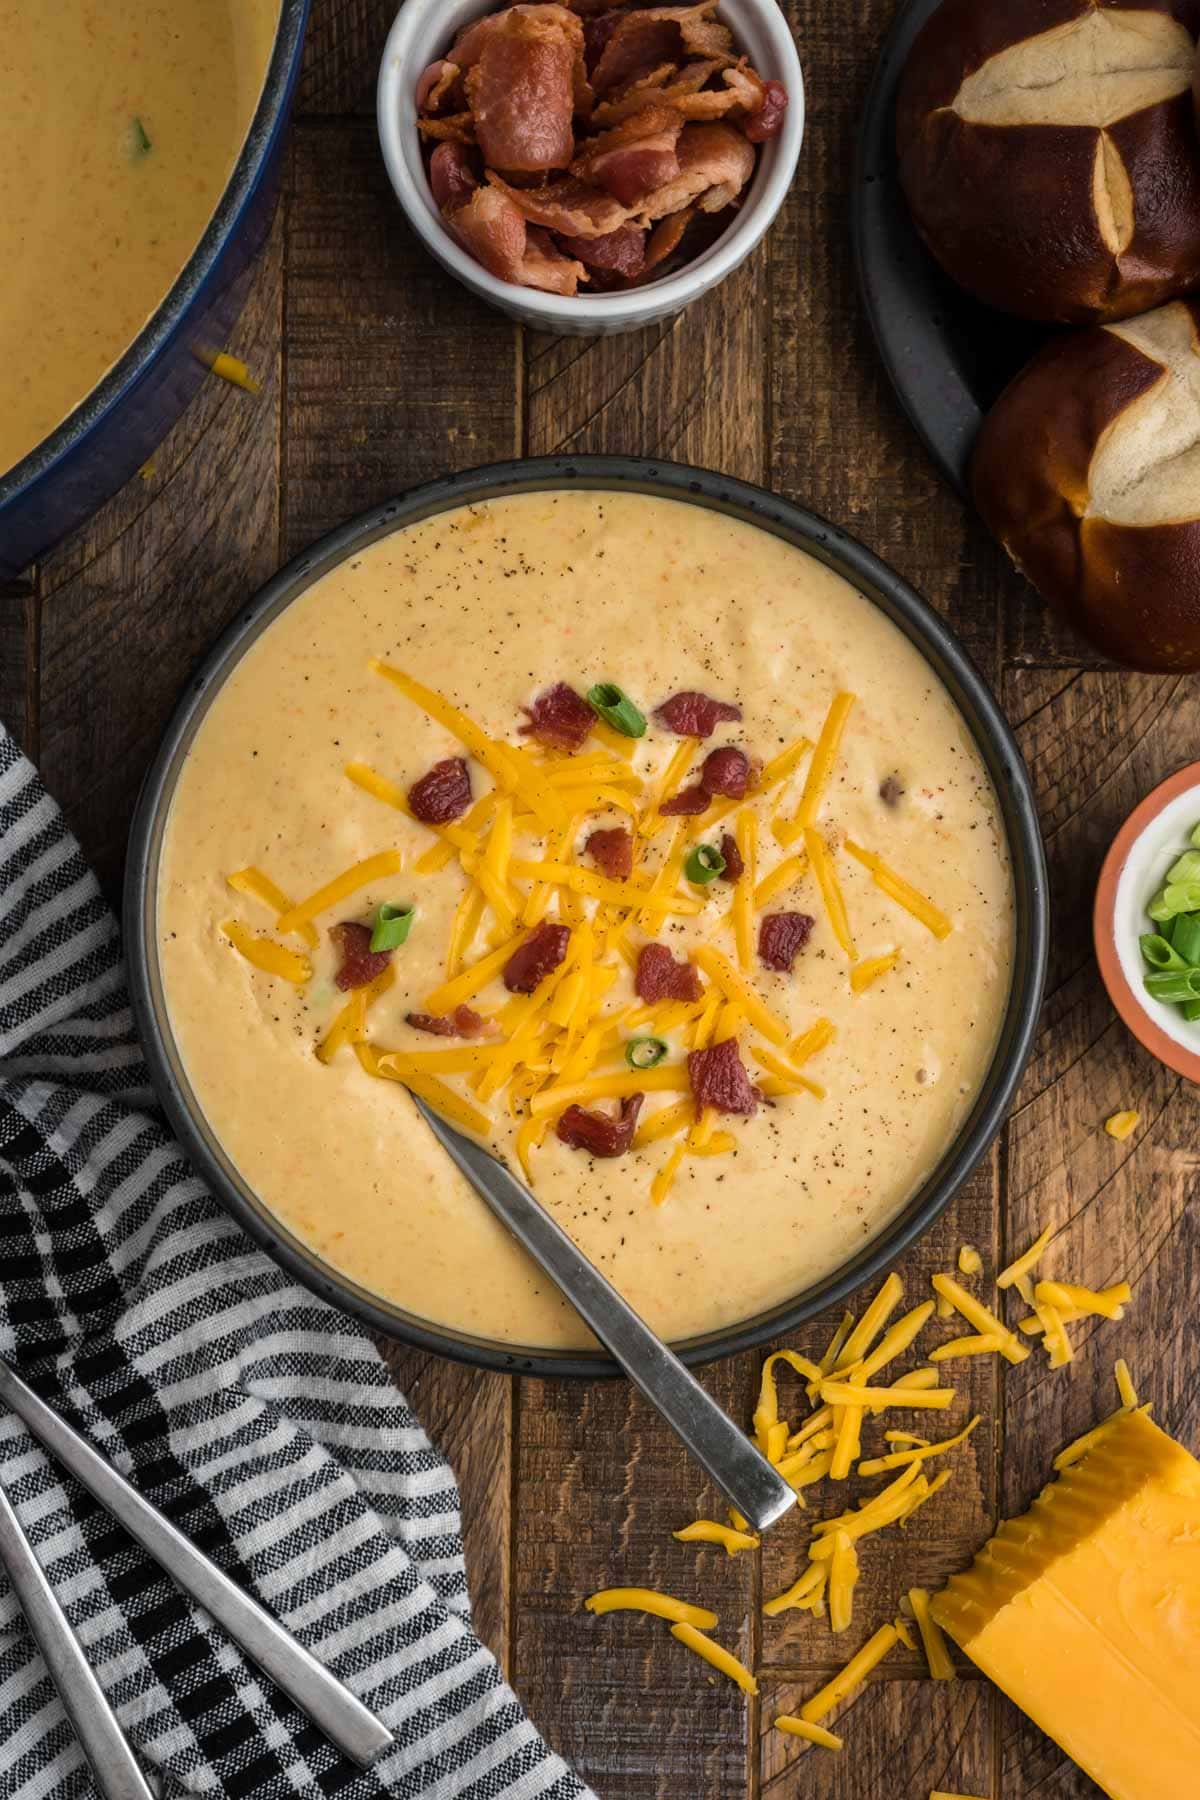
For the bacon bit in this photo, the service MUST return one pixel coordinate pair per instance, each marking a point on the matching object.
(442, 795)
(599, 1133)
(451, 177)
(687, 801)
(612, 852)
(725, 772)
(537, 957)
(660, 977)
(596, 32)
(734, 868)
(890, 790)
(559, 718)
(522, 88)
(719, 1079)
(690, 714)
(436, 84)
(667, 236)
(620, 252)
(463, 1022)
(781, 938)
(767, 122)
(360, 964)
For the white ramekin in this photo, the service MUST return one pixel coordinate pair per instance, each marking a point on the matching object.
(425, 29)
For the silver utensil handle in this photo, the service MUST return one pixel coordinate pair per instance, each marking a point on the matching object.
(339, 1714)
(720, 1447)
(105, 1745)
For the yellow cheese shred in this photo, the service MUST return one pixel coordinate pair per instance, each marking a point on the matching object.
(937, 1654)
(444, 1101)
(745, 830)
(785, 875)
(714, 1654)
(1122, 1125)
(895, 1341)
(665, 1123)
(898, 1459)
(843, 1393)
(1054, 1337)
(831, 893)
(899, 890)
(263, 953)
(667, 1078)
(833, 1349)
(463, 927)
(1026, 1263)
(667, 784)
(821, 766)
(233, 370)
(848, 1440)
(378, 786)
(648, 1600)
(854, 1673)
(258, 886)
(941, 1794)
(980, 1316)
(665, 882)
(1125, 1385)
(783, 765)
(660, 1187)
(843, 1577)
(530, 1135)
(350, 1022)
(983, 1344)
(806, 1729)
(708, 1531)
(864, 1334)
(801, 1592)
(1105, 1303)
(361, 875)
(734, 986)
(969, 1260)
(789, 1077)
(766, 1413)
(465, 986)
(864, 974)
(810, 1042)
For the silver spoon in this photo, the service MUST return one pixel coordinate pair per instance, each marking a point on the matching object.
(741, 1472)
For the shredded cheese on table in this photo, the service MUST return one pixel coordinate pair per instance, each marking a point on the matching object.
(843, 1393)
(852, 1676)
(1105, 1303)
(709, 1531)
(1122, 1125)
(984, 1344)
(969, 1260)
(719, 1658)
(1025, 1264)
(978, 1315)
(647, 1600)
(921, 1452)
(804, 1728)
(801, 1592)
(937, 1654)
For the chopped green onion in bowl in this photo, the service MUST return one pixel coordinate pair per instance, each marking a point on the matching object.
(1172, 952)
(704, 864)
(392, 926)
(645, 1052)
(613, 705)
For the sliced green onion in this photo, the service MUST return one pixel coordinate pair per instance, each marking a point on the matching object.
(614, 706)
(392, 926)
(1158, 908)
(1168, 927)
(644, 1052)
(704, 864)
(1160, 954)
(1186, 869)
(1186, 938)
(139, 139)
(1182, 896)
(1196, 836)
(1174, 984)
(1191, 1010)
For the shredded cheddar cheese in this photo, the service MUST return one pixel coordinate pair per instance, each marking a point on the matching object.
(865, 973)
(434, 1092)
(843, 1576)
(810, 1042)
(969, 1260)
(233, 370)
(1025, 1264)
(831, 893)
(899, 890)
(854, 1673)
(263, 953)
(923, 1450)
(1105, 1303)
(350, 881)
(660, 1187)
(745, 831)
(708, 1531)
(1122, 1125)
(734, 986)
(719, 1658)
(937, 1655)
(810, 1732)
(258, 886)
(820, 768)
(843, 1393)
(983, 1344)
(785, 875)
(978, 1315)
(799, 1594)
(647, 1600)
(350, 1023)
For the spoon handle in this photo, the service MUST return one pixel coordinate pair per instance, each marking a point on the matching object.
(718, 1445)
(114, 1766)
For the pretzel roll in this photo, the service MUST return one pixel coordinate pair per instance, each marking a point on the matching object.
(1088, 471)
(1049, 153)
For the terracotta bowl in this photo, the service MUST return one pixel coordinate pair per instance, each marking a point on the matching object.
(1152, 836)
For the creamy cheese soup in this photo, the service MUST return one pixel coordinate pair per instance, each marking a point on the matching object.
(488, 607)
(119, 128)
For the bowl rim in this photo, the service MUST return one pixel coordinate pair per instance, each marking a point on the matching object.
(138, 359)
(755, 506)
(635, 307)
(1129, 1007)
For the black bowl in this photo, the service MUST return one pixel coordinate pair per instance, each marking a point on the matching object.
(947, 356)
(919, 623)
(113, 430)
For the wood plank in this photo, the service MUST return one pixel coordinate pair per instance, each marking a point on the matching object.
(1032, 1767)
(903, 1738)
(341, 55)
(942, 1536)
(601, 1486)
(134, 599)
(1096, 741)
(19, 626)
(395, 374)
(468, 1413)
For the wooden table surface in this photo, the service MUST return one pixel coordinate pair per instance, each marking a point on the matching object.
(379, 372)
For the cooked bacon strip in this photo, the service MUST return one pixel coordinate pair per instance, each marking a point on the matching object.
(621, 252)
(451, 177)
(463, 1022)
(522, 89)
(601, 1134)
(442, 795)
(734, 868)
(656, 34)
(456, 128)
(725, 772)
(781, 938)
(568, 206)
(666, 85)
(495, 232)
(468, 45)
(666, 237)
(439, 83)
(715, 163)
(559, 717)
(689, 714)
(767, 122)
(660, 977)
(633, 158)
(719, 1079)
(360, 964)
(612, 852)
(688, 803)
(537, 957)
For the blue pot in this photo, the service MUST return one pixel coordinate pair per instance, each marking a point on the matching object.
(107, 439)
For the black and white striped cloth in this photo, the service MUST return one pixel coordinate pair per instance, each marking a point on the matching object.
(258, 1418)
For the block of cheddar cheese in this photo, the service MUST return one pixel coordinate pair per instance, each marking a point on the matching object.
(1086, 1611)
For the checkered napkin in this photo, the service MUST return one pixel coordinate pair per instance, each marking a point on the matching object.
(260, 1420)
